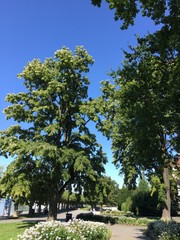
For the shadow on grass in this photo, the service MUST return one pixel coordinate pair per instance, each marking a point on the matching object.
(26, 224)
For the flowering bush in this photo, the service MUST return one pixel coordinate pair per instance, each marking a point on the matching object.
(91, 230)
(73, 230)
(164, 230)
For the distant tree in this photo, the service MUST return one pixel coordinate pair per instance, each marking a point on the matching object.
(127, 205)
(124, 193)
(110, 190)
(92, 193)
(144, 203)
(23, 181)
(143, 185)
(103, 191)
(16, 184)
(52, 127)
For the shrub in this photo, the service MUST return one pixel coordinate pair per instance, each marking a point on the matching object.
(145, 204)
(134, 221)
(97, 218)
(163, 230)
(73, 230)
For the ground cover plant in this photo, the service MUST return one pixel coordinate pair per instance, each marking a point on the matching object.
(73, 230)
(11, 230)
(162, 230)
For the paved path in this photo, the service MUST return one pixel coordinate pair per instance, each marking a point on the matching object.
(126, 232)
(119, 232)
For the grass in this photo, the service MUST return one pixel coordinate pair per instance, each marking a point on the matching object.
(10, 231)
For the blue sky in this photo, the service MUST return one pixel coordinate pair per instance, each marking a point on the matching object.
(37, 28)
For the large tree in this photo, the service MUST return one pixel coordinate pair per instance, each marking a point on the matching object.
(145, 110)
(51, 125)
(141, 112)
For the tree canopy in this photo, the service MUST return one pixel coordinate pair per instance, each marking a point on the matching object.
(141, 109)
(51, 126)
(160, 11)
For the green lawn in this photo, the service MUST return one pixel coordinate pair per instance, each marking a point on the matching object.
(10, 231)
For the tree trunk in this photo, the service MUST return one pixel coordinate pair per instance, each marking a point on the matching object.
(166, 213)
(30, 209)
(52, 213)
(39, 207)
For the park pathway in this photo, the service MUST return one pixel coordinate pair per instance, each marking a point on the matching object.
(126, 232)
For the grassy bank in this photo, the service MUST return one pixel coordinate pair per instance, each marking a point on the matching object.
(11, 230)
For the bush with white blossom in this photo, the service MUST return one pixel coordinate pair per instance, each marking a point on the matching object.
(73, 230)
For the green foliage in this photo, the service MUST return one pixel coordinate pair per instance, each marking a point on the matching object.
(124, 193)
(159, 187)
(143, 119)
(141, 109)
(103, 191)
(145, 204)
(132, 221)
(51, 129)
(143, 185)
(159, 11)
(15, 184)
(127, 205)
(163, 230)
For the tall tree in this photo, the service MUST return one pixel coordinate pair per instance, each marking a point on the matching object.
(148, 100)
(141, 113)
(52, 128)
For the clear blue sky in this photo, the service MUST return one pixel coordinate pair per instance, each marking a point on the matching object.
(37, 28)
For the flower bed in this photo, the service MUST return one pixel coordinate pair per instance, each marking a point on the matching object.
(73, 230)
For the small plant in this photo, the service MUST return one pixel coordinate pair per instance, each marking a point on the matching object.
(163, 230)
